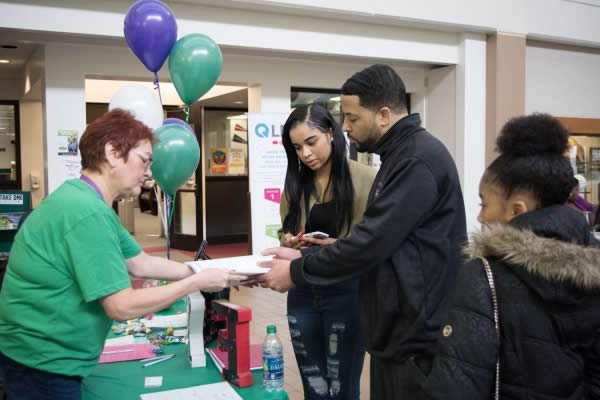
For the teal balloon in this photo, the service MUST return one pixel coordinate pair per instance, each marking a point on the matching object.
(175, 155)
(195, 64)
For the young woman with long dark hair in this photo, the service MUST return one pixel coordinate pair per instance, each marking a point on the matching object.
(325, 192)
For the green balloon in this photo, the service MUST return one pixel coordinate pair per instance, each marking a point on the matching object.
(195, 64)
(175, 155)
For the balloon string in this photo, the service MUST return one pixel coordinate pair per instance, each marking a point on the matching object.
(167, 233)
(172, 209)
(158, 196)
(157, 87)
(186, 110)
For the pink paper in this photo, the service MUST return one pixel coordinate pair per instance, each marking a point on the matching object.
(134, 352)
(256, 356)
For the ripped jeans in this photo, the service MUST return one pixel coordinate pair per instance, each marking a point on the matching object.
(328, 344)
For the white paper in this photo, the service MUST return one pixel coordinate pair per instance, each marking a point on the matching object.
(213, 391)
(129, 339)
(195, 311)
(153, 381)
(244, 265)
(180, 332)
(218, 364)
(166, 321)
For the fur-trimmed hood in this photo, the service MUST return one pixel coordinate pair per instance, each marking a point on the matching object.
(554, 260)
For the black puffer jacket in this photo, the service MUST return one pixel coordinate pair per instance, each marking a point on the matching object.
(548, 288)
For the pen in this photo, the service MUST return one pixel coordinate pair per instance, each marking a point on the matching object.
(161, 360)
(117, 351)
(155, 358)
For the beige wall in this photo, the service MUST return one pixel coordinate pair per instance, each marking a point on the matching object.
(32, 147)
(563, 80)
(505, 85)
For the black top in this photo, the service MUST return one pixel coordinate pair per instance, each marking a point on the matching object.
(322, 217)
(407, 249)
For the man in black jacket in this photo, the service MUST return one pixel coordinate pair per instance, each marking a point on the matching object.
(407, 248)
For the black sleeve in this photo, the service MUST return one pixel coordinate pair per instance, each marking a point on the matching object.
(310, 250)
(405, 198)
(465, 355)
(592, 363)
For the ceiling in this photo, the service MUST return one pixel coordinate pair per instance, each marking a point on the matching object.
(237, 99)
(221, 95)
(17, 57)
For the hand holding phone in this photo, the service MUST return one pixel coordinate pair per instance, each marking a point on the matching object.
(316, 235)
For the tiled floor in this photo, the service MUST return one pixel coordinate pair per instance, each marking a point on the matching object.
(268, 307)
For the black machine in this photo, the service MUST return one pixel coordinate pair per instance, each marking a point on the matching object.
(211, 327)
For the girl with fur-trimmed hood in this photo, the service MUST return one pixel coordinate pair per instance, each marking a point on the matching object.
(545, 278)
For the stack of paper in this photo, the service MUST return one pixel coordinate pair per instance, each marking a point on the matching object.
(126, 352)
(220, 357)
(166, 321)
(245, 265)
(195, 312)
(214, 391)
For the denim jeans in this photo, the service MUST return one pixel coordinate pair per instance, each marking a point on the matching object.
(24, 383)
(328, 344)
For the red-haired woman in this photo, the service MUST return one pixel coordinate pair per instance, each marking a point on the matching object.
(69, 267)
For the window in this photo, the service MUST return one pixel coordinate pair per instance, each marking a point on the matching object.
(10, 155)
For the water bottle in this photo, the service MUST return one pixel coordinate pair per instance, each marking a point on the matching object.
(272, 361)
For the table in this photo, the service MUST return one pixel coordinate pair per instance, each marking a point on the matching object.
(125, 380)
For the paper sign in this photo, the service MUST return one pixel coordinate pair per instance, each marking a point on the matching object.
(67, 143)
(9, 198)
(213, 391)
(218, 164)
(273, 195)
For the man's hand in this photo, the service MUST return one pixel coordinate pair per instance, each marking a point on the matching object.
(283, 253)
(278, 278)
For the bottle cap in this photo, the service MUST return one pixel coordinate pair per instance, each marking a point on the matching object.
(271, 329)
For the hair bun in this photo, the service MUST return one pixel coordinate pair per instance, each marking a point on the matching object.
(533, 135)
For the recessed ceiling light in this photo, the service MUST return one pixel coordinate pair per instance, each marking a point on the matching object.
(9, 46)
(4, 61)
(238, 102)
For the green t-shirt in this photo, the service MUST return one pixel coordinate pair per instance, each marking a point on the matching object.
(70, 253)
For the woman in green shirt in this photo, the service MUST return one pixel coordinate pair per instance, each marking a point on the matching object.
(69, 270)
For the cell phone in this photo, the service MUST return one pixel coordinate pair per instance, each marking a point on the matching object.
(316, 235)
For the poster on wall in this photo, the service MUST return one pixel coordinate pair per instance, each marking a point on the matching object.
(218, 163)
(236, 162)
(267, 168)
(71, 168)
(67, 143)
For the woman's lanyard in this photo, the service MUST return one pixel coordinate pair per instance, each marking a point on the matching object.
(92, 185)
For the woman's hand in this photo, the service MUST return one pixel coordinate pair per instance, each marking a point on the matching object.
(214, 280)
(289, 240)
(310, 241)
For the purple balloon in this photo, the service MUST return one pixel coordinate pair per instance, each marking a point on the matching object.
(151, 32)
(177, 121)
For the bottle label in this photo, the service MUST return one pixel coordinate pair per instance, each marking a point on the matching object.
(272, 367)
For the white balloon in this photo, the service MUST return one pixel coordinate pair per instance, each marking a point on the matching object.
(141, 103)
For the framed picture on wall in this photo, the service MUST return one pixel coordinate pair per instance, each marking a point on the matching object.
(595, 158)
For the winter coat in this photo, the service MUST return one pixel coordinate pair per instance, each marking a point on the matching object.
(407, 248)
(547, 279)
